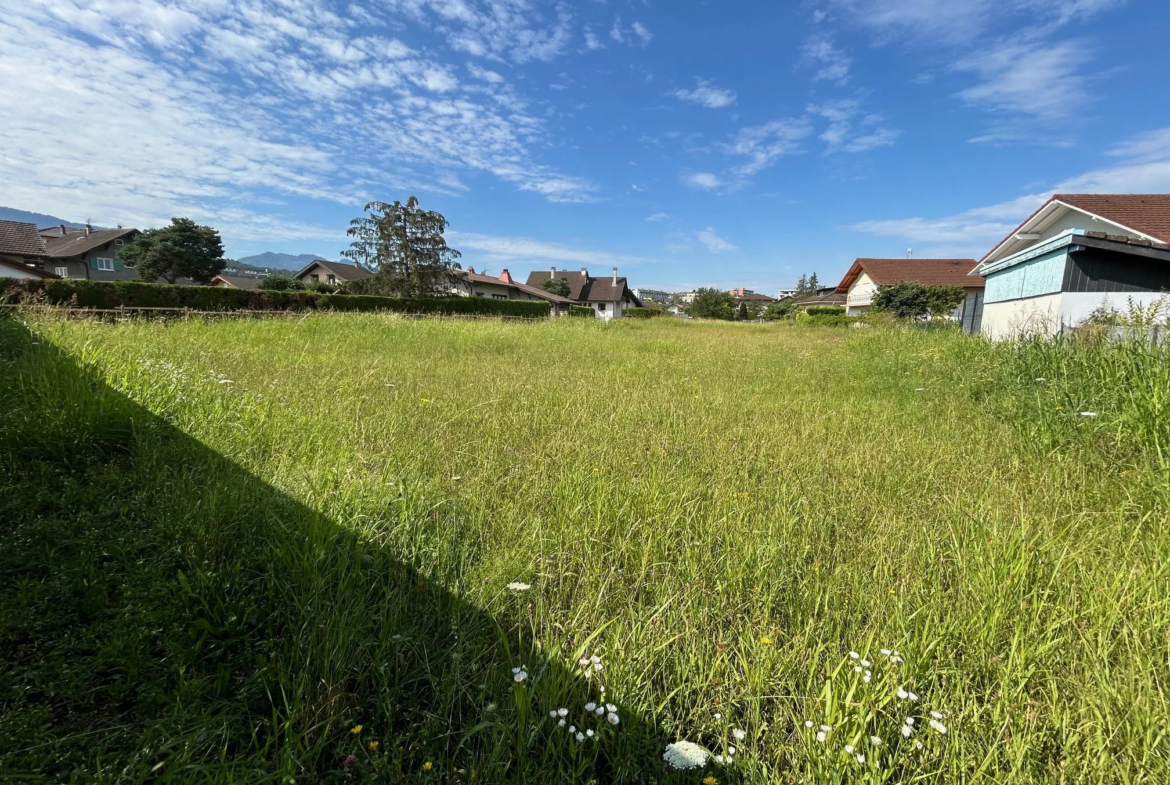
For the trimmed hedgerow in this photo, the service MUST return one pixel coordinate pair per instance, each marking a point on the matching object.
(644, 313)
(826, 310)
(77, 293)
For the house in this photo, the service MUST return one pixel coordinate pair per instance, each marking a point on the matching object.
(469, 283)
(866, 276)
(608, 296)
(785, 294)
(826, 296)
(653, 295)
(1077, 253)
(88, 252)
(236, 281)
(22, 251)
(742, 295)
(334, 273)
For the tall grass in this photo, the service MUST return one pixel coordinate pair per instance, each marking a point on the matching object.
(719, 512)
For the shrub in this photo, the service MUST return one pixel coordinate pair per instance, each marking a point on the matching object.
(911, 300)
(77, 293)
(584, 311)
(644, 313)
(557, 286)
(826, 310)
(281, 283)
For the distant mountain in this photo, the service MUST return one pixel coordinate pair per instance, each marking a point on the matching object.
(40, 219)
(283, 261)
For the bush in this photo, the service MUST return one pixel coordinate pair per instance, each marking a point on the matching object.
(78, 293)
(912, 300)
(826, 310)
(281, 283)
(644, 313)
(584, 311)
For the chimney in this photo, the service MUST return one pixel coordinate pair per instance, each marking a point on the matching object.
(553, 274)
(88, 229)
(62, 230)
(615, 276)
(506, 277)
(471, 270)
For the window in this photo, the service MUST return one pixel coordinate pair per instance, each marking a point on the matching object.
(316, 278)
(601, 306)
(333, 279)
(105, 264)
(499, 297)
(62, 272)
(119, 242)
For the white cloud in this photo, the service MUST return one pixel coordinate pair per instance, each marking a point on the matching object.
(502, 29)
(848, 131)
(714, 243)
(644, 35)
(145, 110)
(657, 217)
(763, 144)
(831, 62)
(1146, 169)
(592, 42)
(706, 94)
(520, 250)
(705, 180)
(1031, 77)
(636, 33)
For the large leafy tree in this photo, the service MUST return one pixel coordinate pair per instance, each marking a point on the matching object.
(712, 304)
(182, 250)
(912, 300)
(404, 246)
(556, 286)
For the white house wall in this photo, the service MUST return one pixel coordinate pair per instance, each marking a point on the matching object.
(860, 295)
(1075, 219)
(1076, 307)
(1013, 318)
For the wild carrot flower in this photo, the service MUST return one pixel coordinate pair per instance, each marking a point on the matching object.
(685, 755)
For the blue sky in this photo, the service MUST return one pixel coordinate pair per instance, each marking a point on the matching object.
(727, 143)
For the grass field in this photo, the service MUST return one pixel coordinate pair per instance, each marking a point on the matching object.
(280, 550)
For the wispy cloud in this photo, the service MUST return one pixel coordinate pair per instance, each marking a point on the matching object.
(1144, 168)
(763, 144)
(503, 29)
(715, 243)
(831, 62)
(704, 180)
(657, 217)
(207, 106)
(524, 250)
(706, 94)
(1030, 77)
(849, 131)
(635, 34)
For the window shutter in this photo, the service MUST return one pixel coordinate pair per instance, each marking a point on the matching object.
(93, 263)
(117, 264)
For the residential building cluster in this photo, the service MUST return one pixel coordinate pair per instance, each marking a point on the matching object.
(1074, 255)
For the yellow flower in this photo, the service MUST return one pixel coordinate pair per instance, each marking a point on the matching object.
(373, 746)
(710, 781)
(427, 766)
(766, 640)
(425, 400)
(356, 730)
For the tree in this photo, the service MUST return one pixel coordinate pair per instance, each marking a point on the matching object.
(404, 246)
(741, 313)
(712, 304)
(802, 285)
(281, 282)
(556, 286)
(813, 283)
(182, 250)
(912, 300)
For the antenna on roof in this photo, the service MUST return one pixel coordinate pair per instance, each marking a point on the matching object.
(909, 253)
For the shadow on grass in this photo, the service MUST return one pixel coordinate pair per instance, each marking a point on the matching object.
(165, 615)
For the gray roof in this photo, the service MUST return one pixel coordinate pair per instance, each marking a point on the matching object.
(535, 291)
(585, 288)
(21, 239)
(346, 272)
(75, 242)
(239, 281)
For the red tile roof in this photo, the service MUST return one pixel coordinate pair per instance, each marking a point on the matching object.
(1145, 213)
(929, 272)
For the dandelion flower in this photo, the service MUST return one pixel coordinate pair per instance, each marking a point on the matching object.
(821, 736)
(861, 758)
(739, 734)
(766, 640)
(685, 755)
(906, 731)
(938, 726)
(427, 766)
(710, 781)
(517, 586)
(854, 655)
(356, 729)
(612, 718)
(373, 745)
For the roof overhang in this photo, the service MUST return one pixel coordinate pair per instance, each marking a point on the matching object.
(1071, 241)
(852, 275)
(1032, 228)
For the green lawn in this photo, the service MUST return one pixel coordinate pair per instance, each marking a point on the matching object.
(224, 546)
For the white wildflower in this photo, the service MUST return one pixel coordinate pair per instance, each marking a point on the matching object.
(719, 759)
(906, 731)
(590, 706)
(518, 586)
(583, 661)
(875, 741)
(861, 758)
(826, 728)
(848, 749)
(718, 716)
(886, 652)
(857, 669)
(938, 726)
(913, 697)
(808, 723)
(563, 712)
(685, 755)
(821, 736)
(866, 663)
(917, 745)
(902, 694)
(595, 659)
(613, 718)
(599, 711)
(867, 677)
(520, 676)
(730, 760)
(854, 655)
(731, 750)
(572, 729)
(580, 737)
(610, 707)
(937, 715)
(553, 714)
(589, 733)
(1088, 414)
(739, 734)
(597, 666)
(561, 723)
(909, 721)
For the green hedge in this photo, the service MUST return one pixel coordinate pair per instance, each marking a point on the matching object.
(644, 313)
(826, 310)
(584, 311)
(79, 293)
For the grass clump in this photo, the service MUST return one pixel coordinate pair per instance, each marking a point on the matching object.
(327, 549)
